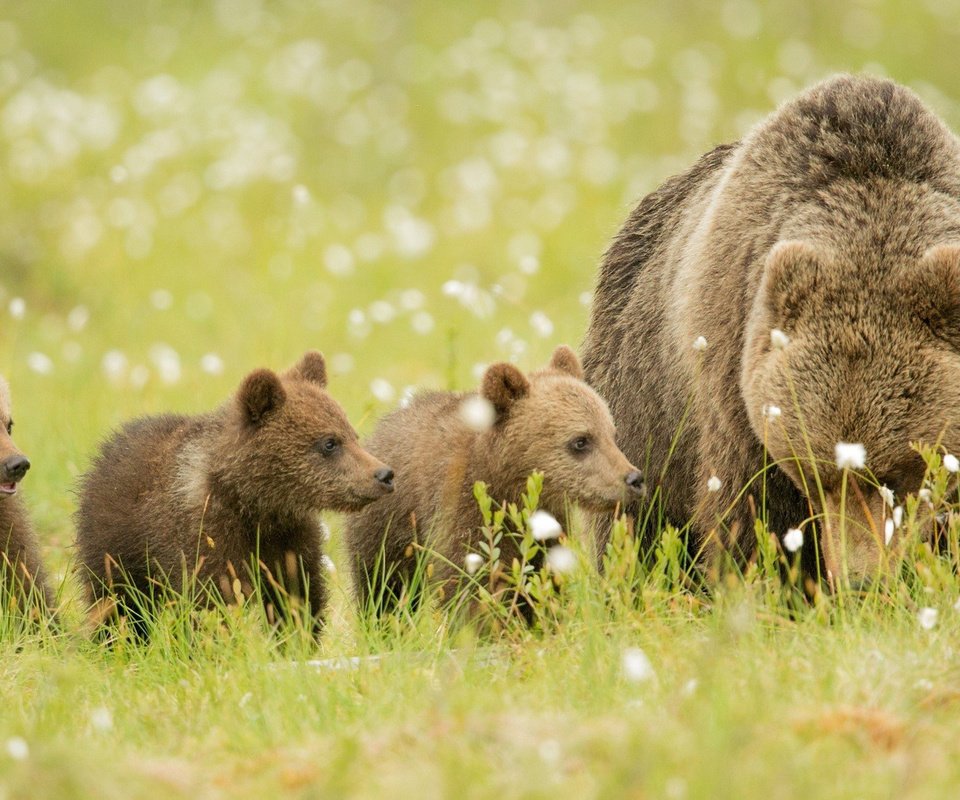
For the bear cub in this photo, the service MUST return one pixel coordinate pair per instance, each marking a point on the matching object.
(24, 578)
(228, 498)
(549, 421)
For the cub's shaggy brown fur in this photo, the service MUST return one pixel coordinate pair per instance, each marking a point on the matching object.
(212, 495)
(837, 221)
(24, 578)
(549, 421)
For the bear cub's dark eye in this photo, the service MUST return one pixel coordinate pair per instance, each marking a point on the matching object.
(580, 446)
(328, 445)
(9, 427)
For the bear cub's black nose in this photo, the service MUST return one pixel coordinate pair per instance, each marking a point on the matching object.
(384, 476)
(634, 479)
(16, 467)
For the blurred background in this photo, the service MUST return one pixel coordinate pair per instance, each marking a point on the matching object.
(192, 189)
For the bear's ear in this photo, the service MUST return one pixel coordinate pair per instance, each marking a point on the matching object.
(933, 290)
(260, 395)
(791, 278)
(312, 367)
(565, 360)
(504, 384)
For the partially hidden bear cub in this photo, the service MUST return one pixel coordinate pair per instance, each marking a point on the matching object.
(549, 421)
(228, 498)
(25, 584)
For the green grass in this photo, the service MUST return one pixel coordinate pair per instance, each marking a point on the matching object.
(303, 162)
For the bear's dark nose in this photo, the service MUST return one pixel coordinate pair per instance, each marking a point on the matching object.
(15, 467)
(384, 477)
(634, 479)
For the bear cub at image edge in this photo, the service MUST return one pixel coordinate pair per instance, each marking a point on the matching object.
(23, 574)
(549, 421)
(172, 496)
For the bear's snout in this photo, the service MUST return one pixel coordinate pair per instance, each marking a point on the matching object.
(634, 481)
(15, 467)
(384, 476)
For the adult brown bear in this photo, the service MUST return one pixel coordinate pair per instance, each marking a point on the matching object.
(819, 260)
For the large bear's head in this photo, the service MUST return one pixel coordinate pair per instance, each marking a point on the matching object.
(843, 350)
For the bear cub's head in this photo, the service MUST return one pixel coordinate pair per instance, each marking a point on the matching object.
(552, 421)
(13, 463)
(296, 451)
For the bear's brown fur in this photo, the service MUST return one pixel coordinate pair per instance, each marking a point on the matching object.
(24, 578)
(538, 423)
(836, 220)
(209, 496)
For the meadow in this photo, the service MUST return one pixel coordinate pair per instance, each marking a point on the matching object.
(189, 190)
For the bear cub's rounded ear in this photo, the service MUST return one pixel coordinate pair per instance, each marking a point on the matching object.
(312, 367)
(565, 359)
(261, 394)
(504, 384)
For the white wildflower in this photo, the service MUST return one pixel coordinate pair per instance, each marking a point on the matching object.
(541, 324)
(473, 562)
(925, 495)
(951, 463)
(561, 559)
(887, 494)
(772, 412)
(78, 318)
(635, 666)
(382, 312)
(211, 363)
(407, 395)
(339, 260)
(550, 751)
(700, 344)
(477, 413)
(328, 564)
(898, 516)
(161, 299)
(544, 526)
(101, 719)
(850, 456)
(114, 365)
(793, 539)
(778, 339)
(382, 390)
(342, 363)
(714, 484)
(324, 531)
(40, 363)
(888, 529)
(422, 322)
(927, 617)
(18, 309)
(301, 194)
(17, 748)
(167, 362)
(412, 299)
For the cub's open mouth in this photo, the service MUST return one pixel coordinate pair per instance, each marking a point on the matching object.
(8, 488)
